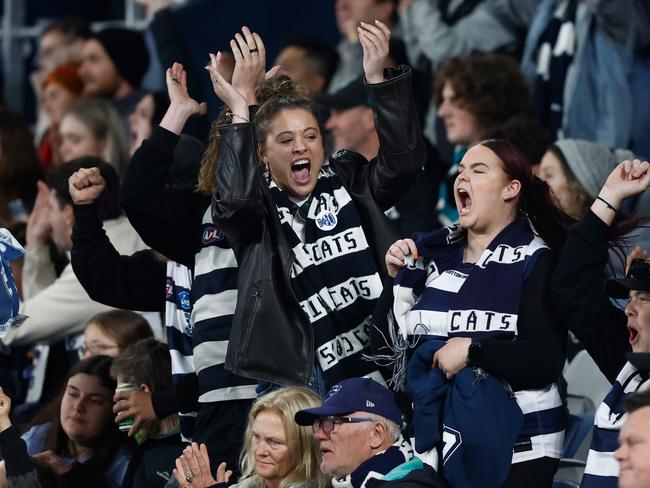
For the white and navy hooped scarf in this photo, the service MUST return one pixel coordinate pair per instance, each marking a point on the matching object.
(334, 276)
(179, 332)
(441, 297)
(602, 468)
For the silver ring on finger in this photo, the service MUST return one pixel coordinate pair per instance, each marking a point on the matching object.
(252, 50)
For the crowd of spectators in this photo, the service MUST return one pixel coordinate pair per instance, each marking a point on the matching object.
(370, 268)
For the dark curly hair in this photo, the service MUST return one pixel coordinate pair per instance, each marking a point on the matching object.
(490, 86)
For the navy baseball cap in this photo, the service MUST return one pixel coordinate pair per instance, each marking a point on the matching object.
(354, 395)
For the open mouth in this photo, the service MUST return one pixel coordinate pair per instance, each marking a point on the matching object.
(465, 201)
(634, 334)
(301, 170)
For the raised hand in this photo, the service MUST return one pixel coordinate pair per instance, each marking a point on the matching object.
(397, 253)
(628, 178)
(136, 405)
(38, 225)
(176, 79)
(232, 97)
(374, 40)
(250, 61)
(86, 185)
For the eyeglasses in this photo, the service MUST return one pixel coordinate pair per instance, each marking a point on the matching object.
(328, 423)
(95, 349)
(639, 269)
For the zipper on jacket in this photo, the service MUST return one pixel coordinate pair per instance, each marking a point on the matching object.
(256, 294)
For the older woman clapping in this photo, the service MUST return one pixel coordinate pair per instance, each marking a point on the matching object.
(277, 452)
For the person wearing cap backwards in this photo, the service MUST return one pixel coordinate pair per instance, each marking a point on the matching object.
(358, 428)
(114, 63)
(581, 294)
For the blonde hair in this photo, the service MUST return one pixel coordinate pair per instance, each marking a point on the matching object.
(303, 448)
(104, 123)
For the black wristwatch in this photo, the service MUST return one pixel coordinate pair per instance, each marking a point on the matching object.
(474, 351)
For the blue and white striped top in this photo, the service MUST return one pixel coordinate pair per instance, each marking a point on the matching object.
(602, 469)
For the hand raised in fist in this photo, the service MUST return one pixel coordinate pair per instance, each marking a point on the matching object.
(86, 185)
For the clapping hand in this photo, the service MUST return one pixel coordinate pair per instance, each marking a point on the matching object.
(38, 225)
(233, 98)
(250, 61)
(179, 97)
(86, 185)
(193, 468)
(374, 40)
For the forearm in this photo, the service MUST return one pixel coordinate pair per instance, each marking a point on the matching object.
(402, 152)
(130, 282)
(238, 203)
(175, 119)
(536, 357)
(152, 206)
(14, 452)
(578, 294)
(38, 270)
(182, 396)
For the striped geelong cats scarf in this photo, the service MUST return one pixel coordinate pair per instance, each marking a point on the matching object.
(439, 296)
(334, 276)
(480, 300)
(602, 469)
(179, 333)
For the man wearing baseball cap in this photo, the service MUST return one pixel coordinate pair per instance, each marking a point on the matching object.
(581, 294)
(358, 427)
(351, 119)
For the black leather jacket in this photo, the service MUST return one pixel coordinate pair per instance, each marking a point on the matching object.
(271, 337)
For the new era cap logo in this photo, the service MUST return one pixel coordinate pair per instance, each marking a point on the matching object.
(335, 389)
(369, 403)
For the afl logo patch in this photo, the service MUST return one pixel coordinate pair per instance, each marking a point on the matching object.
(211, 235)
